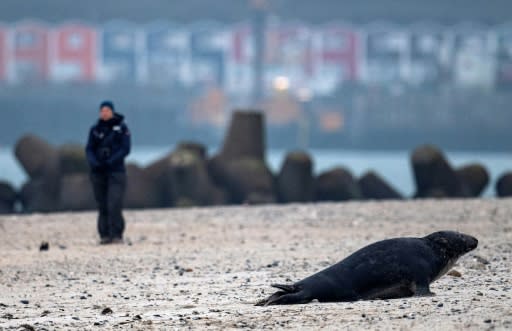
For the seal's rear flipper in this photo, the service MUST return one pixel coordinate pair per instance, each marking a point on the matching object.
(289, 294)
(283, 298)
(286, 288)
(270, 299)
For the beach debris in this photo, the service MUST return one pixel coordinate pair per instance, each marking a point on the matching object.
(44, 246)
(106, 311)
(454, 273)
(481, 259)
(182, 270)
(273, 264)
(25, 302)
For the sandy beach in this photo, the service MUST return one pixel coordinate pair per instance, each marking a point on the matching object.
(204, 268)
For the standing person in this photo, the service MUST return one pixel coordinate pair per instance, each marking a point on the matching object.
(107, 147)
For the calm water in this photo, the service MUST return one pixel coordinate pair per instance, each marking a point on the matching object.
(392, 165)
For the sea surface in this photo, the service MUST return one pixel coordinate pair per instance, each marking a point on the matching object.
(394, 166)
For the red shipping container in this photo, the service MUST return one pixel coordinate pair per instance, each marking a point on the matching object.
(30, 53)
(340, 48)
(74, 56)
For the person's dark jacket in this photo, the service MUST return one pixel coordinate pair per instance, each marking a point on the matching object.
(108, 145)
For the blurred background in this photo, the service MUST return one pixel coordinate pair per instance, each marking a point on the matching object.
(359, 83)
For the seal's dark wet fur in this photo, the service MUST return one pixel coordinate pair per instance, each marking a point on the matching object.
(392, 268)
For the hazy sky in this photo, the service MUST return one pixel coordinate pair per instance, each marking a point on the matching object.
(447, 11)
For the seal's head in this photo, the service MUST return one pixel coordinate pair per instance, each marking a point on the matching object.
(449, 246)
(452, 244)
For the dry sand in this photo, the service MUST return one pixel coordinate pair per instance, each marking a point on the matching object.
(205, 268)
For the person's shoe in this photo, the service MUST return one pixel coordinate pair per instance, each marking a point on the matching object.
(105, 241)
(117, 240)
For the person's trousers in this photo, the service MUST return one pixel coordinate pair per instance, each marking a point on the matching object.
(109, 191)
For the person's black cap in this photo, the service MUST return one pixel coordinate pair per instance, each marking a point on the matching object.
(108, 104)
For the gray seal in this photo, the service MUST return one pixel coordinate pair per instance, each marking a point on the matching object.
(387, 269)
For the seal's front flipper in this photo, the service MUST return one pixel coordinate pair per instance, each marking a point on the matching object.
(423, 291)
(399, 290)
